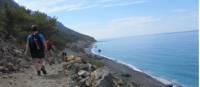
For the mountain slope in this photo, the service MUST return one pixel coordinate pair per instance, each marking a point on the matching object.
(69, 31)
(16, 21)
(8, 2)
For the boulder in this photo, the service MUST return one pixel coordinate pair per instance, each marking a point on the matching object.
(10, 66)
(76, 66)
(72, 58)
(2, 68)
(24, 63)
(100, 78)
(83, 73)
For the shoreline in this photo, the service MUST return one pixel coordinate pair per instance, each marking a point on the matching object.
(146, 79)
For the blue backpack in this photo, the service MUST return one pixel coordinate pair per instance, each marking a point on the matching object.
(36, 42)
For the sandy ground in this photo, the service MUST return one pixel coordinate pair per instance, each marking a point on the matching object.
(55, 78)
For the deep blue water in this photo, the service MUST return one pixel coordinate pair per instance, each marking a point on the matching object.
(173, 56)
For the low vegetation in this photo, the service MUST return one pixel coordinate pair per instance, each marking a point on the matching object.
(16, 22)
(95, 62)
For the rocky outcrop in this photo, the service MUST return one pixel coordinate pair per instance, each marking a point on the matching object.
(86, 74)
(100, 78)
(12, 58)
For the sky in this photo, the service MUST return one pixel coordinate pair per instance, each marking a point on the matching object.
(104, 19)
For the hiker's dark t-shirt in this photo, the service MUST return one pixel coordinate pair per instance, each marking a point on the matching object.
(36, 45)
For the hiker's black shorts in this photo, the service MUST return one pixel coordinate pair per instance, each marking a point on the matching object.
(37, 54)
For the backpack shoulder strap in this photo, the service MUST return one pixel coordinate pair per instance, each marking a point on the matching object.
(29, 37)
(41, 36)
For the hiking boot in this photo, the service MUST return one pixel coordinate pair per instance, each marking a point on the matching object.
(43, 70)
(38, 73)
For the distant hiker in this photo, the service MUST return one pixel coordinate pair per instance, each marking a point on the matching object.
(37, 46)
(64, 53)
(50, 49)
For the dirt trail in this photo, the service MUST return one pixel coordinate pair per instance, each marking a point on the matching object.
(55, 78)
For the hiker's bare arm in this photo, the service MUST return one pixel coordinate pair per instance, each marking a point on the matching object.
(26, 48)
(45, 45)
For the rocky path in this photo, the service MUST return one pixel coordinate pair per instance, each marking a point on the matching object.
(28, 78)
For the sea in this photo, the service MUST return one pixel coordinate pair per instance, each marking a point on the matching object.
(169, 56)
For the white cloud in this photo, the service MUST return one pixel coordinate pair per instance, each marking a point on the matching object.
(133, 22)
(140, 25)
(51, 6)
(180, 10)
(127, 2)
(125, 26)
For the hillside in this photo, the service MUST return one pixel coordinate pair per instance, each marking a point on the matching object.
(8, 2)
(16, 21)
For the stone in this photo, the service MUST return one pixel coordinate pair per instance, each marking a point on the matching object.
(84, 67)
(10, 82)
(5, 77)
(24, 63)
(126, 75)
(170, 85)
(71, 58)
(17, 51)
(100, 78)
(1, 68)
(76, 66)
(83, 73)
(10, 67)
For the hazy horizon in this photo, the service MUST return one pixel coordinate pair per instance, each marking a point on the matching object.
(108, 39)
(105, 19)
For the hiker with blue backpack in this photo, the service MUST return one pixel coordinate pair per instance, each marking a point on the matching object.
(37, 46)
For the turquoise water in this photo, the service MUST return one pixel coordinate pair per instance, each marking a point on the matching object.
(173, 56)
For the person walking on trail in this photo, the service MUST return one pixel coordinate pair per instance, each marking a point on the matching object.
(50, 52)
(50, 47)
(37, 46)
(64, 53)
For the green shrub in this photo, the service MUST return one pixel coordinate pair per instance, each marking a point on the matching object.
(95, 62)
(17, 22)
